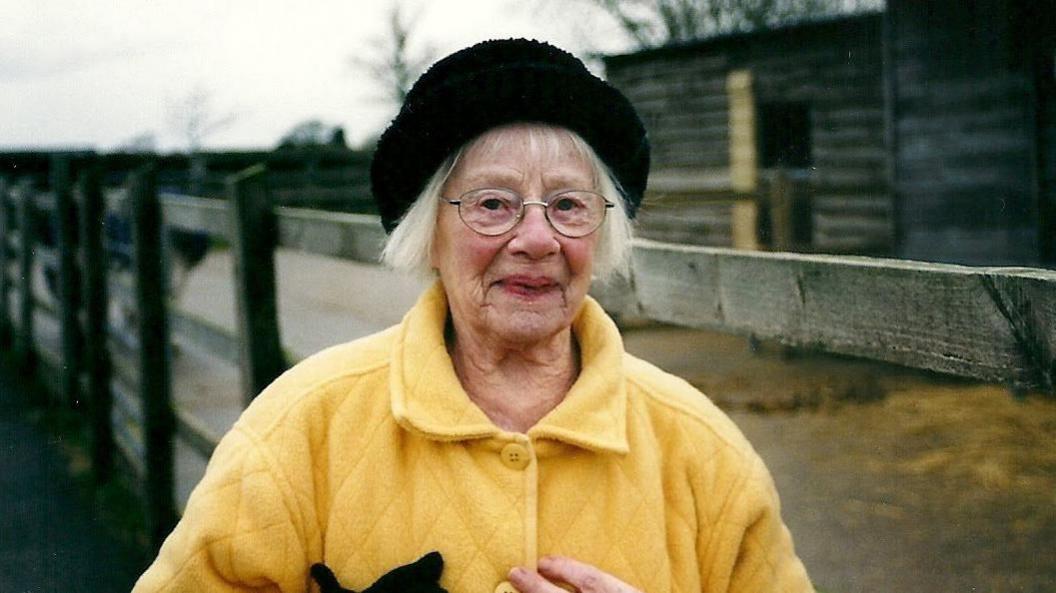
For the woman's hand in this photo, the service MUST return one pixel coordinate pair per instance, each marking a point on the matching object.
(554, 570)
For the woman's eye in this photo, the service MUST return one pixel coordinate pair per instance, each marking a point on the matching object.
(491, 203)
(565, 204)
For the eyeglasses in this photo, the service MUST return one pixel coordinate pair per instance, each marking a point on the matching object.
(494, 211)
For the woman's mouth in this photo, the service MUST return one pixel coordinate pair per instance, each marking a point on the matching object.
(528, 286)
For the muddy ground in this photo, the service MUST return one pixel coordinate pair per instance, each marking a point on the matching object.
(891, 480)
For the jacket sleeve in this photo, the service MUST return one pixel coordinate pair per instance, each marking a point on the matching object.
(748, 548)
(240, 531)
(765, 558)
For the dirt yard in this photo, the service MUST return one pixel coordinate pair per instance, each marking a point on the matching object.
(891, 480)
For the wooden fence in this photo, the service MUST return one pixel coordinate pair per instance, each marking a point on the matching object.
(323, 177)
(993, 324)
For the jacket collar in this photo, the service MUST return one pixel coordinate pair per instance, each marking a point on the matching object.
(428, 399)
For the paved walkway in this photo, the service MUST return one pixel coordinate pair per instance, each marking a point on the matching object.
(49, 538)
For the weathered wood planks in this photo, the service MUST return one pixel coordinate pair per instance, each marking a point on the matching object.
(358, 237)
(254, 235)
(993, 324)
(155, 385)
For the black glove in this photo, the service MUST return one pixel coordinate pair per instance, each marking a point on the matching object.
(420, 576)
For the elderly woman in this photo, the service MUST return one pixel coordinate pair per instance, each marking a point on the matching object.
(501, 423)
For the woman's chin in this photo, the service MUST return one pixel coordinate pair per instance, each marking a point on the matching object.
(528, 327)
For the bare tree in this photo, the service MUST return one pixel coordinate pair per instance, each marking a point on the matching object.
(194, 118)
(650, 23)
(389, 59)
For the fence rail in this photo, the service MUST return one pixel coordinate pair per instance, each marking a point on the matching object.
(992, 324)
(357, 237)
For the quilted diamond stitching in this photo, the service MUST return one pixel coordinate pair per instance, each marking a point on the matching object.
(479, 546)
(377, 518)
(687, 520)
(376, 522)
(367, 447)
(238, 505)
(584, 501)
(449, 502)
(272, 467)
(623, 525)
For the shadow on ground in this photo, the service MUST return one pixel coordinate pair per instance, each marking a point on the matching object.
(52, 536)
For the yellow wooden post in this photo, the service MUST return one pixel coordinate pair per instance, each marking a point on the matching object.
(744, 158)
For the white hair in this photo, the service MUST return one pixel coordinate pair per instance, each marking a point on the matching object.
(409, 246)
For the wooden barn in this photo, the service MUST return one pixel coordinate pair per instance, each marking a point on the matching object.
(972, 94)
(726, 115)
(923, 132)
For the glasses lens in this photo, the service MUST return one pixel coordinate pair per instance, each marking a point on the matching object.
(576, 213)
(490, 211)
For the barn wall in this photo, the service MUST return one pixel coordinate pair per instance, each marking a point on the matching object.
(1044, 58)
(965, 169)
(1047, 159)
(837, 71)
(834, 67)
(682, 99)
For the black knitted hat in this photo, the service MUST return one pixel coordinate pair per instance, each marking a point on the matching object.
(495, 83)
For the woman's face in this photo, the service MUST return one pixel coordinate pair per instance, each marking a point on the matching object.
(526, 285)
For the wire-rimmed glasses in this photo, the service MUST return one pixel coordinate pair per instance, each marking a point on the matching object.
(494, 211)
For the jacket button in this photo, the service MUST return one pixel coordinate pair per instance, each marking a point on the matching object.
(505, 587)
(515, 456)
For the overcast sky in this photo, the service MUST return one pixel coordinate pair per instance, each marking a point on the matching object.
(98, 73)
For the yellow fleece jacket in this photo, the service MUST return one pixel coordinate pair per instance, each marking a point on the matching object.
(370, 454)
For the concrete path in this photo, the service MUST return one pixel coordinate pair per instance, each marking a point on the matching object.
(50, 540)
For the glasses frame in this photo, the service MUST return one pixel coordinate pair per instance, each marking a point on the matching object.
(545, 203)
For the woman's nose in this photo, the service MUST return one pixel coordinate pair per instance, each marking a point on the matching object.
(534, 236)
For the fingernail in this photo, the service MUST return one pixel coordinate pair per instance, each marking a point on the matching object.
(516, 573)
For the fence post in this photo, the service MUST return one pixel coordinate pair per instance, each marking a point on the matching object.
(96, 355)
(154, 374)
(199, 170)
(5, 279)
(69, 281)
(254, 235)
(27, 225)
